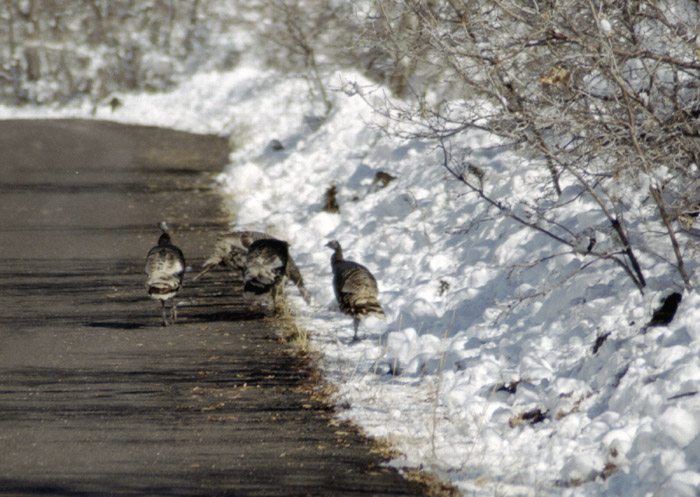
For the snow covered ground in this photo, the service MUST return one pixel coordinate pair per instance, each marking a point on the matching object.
(484, 370)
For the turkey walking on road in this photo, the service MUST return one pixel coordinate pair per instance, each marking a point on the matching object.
(355, 288)
(266, 265)
(165, 267)
(231, 250)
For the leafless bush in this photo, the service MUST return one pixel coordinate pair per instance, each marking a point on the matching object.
(599, 93)
(311, 39)
(57, 49)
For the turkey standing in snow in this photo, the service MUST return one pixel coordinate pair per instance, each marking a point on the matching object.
(165, 267)
(355, 288)
(231, 251)
(266, 264)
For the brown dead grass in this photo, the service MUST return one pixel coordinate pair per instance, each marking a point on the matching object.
(433, 486)
(320, 391)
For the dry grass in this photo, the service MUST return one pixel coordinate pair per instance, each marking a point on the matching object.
(531, 417)
(384, 447)
(574, 407)
(297, 337)
(319, 390)
(330, 203)
(292, 333)
(242, 134)
(432, 485)
(382, 179)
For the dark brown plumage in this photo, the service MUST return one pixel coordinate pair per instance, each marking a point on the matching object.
(231, 250)
(355, 288)
(665, 314)
(266, 265)
(165, 267)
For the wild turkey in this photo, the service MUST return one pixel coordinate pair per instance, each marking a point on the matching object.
(231, 250)
(355, 288)
(165, 267)
(266, 264)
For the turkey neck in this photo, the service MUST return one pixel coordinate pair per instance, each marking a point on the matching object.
(337, 255)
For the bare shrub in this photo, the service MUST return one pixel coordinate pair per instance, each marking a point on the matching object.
(597, 93)
(55, 50)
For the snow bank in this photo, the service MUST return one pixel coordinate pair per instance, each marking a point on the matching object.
(484, 370)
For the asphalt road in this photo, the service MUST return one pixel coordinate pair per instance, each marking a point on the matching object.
(96, 398)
